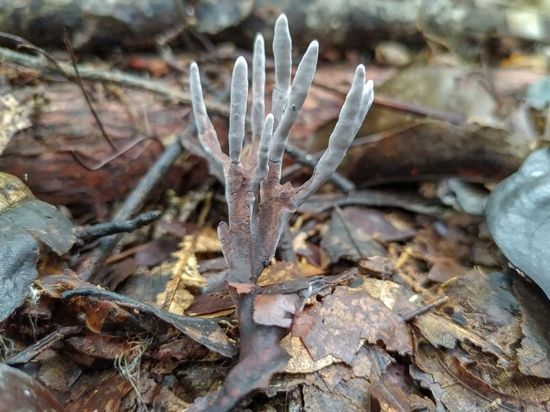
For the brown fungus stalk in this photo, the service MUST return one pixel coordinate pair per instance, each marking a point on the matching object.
(259, 206)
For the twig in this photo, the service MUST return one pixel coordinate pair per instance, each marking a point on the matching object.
(78, 81)
(76, 155)
(406, 107)
(407, 317)
(421, 111)
(136, 199)
(309, 160)
(40, 346)
(88, 233)
(107, 76)
(205, 331)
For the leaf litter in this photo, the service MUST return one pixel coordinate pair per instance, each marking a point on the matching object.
(352, 342)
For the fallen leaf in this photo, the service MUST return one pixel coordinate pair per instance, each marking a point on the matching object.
(177, 296)
(337, 325)
(204, 331)
(344, 239)
(58, 372)
(517, 217)
(23, 393)
(14, 117)
(300, 360)
(281, 272)
(459, 389)
(444, 269)
(99, 392)
(533, 353)
(25, 225)
(440, 331)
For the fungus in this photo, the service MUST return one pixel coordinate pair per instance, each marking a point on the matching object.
(259, 205)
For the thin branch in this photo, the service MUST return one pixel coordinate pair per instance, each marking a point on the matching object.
(77, 155)
(310, 160)
(409, 316)
(78, 81)
(107, 76)
(132, 204)
(89, 233)
(30, 352)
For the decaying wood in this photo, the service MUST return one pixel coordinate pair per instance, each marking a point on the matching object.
(44, 154)
(345, 23)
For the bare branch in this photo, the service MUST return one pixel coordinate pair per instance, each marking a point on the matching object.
(237, 117)
(282, 53)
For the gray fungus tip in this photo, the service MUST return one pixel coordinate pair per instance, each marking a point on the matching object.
(241, 61)
(194, 72)
(281, 20)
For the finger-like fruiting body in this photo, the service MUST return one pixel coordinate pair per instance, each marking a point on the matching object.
(205, 129)
(296, 98)
(258, 87)
(263, 153)
(237, 116)
(259, 206)
(282, 53)
(357, 104)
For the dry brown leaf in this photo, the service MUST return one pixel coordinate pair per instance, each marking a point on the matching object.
(185, 272)
(440, 331)
(300, 360)
(281, 272)
(14, 117)
(460, 389)
(337, 325)
(204, 241)
(533, 353)
(393, 295)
